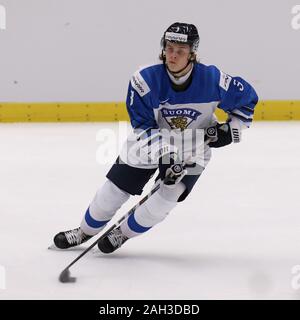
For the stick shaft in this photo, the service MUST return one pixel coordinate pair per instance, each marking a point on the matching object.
(114, 226)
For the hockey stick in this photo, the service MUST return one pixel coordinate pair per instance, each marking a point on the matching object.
(65, 275)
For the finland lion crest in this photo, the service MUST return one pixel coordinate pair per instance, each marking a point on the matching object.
(179, 118)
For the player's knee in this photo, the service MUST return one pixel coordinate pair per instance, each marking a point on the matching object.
(160, 204)
(110, 197)
(154, 216)
(173, 192)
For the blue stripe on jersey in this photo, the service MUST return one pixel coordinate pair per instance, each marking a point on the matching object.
(153, 140)
(244, 119)
(248, 111)
(134, 226)
(91, 222)
(144, 134)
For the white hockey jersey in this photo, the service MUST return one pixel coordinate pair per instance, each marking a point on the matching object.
(178, 118)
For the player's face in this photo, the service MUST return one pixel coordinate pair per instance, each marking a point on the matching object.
(177, 55)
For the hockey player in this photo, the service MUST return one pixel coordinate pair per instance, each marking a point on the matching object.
(177, 96)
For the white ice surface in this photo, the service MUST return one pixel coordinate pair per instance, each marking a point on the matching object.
(237, 236)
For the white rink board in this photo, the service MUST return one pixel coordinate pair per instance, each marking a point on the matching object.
(236, 237)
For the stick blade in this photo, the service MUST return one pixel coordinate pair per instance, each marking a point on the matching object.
(65, 277)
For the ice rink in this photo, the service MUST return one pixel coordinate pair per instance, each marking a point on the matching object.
(237, 236)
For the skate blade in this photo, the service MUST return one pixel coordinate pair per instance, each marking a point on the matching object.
(53, 247)
(96, 251)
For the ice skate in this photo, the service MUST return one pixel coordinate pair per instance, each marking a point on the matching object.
(70, 238)
(112, 241)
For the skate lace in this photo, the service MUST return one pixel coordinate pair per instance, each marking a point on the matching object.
(74, 236)
(116, 238)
